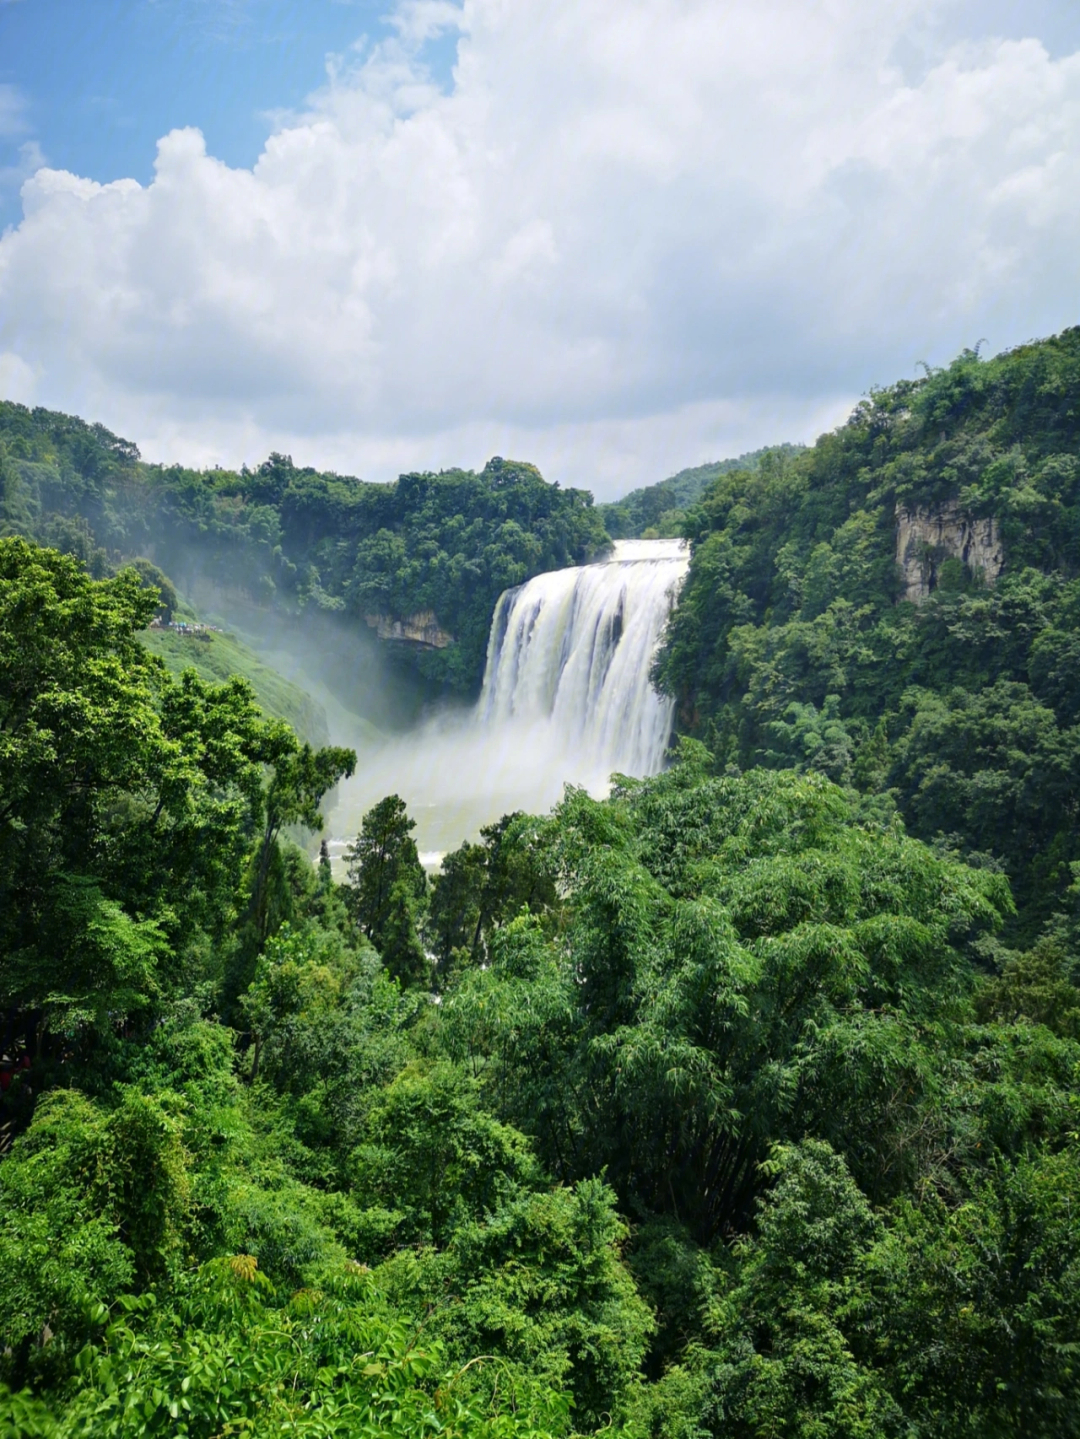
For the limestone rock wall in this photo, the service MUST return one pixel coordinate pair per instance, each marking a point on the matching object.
(927, 537)
(421, 629)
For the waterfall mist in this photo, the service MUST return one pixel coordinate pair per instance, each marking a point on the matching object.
(566, 698)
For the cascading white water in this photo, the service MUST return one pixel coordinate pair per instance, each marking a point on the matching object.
(566, 698)
(574, 648)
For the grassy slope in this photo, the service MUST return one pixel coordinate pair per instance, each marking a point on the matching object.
(217, 656)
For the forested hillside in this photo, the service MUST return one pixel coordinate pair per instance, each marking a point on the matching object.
(429, 554)
(794, 644)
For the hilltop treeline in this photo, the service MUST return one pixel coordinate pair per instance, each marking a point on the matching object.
(792, 645)
(294, 539)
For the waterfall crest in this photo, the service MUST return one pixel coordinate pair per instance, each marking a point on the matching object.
(571, 651)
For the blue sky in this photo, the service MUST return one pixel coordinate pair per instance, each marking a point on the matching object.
(99, 81)
(613, 236)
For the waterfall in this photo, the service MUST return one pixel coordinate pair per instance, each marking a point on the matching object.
(566, 698)
(571, 652)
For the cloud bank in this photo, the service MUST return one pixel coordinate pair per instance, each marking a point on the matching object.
(632, 235)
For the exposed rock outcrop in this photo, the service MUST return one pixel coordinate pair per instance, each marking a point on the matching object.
(927, 537)
(421, 629)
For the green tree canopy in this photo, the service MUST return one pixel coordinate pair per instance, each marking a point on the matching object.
(387, 886)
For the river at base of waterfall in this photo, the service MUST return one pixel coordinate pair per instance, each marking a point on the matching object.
(566, 699)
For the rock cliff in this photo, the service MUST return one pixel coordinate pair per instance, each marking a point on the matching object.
(927, 537)
(421, 629)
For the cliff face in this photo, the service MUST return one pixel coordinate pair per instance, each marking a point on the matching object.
(927, 537)
(421, 629)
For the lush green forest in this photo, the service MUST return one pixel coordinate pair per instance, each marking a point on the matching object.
(740, 1103)
(441, 547)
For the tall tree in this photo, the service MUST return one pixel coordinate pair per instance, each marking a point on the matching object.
(388, 887)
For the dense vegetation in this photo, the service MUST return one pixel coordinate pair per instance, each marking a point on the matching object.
(281, 537)
(740, 1103)
(659, 511)
(716, 1128)
(791, 645)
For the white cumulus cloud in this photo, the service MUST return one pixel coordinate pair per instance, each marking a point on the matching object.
(632, 234)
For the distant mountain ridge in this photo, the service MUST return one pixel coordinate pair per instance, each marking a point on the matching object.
(662, 507)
